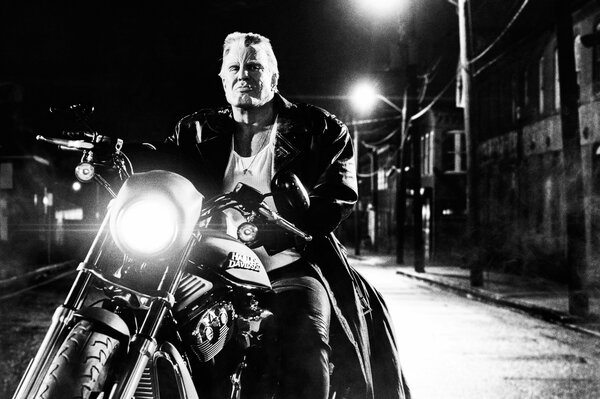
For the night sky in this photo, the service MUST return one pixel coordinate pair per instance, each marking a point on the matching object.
(144, 66)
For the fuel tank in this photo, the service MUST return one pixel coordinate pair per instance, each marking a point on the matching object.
(233, 260)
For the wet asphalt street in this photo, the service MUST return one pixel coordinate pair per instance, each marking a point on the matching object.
(454, 347)
(451, 347)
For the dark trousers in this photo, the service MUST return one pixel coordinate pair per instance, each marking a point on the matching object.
(303, 315)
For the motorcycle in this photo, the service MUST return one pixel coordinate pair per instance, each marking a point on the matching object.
(161, 293)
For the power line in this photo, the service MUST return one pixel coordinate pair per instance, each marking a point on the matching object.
(435, 100)
(491, 62)
(501, 35)
(383, 140)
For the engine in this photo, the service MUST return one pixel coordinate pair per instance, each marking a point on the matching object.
(209, 331)
(210, 317)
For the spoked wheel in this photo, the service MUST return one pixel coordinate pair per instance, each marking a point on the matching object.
(81, 365)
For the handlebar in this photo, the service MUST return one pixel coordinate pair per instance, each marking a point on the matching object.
(232, 200)
(81, 144)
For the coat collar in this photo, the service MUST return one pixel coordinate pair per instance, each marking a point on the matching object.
(216, 143)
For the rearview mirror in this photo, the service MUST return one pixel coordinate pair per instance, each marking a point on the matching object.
(289, 193)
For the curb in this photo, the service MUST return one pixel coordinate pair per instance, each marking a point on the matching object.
(539, 312)
(32, 277)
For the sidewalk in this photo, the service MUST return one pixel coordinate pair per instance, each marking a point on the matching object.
(536, 296)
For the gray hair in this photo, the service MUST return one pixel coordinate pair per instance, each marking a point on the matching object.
(249, 39)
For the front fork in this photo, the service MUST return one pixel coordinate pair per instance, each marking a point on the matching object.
(143, 345)
(62, 319)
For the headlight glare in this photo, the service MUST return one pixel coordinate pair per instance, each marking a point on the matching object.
(146, 227)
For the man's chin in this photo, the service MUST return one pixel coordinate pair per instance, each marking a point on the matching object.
(245, 101)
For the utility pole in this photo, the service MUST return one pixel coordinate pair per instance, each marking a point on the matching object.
(419, 249)
(476, 274)
(412, 82)
(375, 195)
(357, 205)
(569, 111)
(400, 201)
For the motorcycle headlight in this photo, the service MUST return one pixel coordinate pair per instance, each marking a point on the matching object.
(154, 215)
(146, 227)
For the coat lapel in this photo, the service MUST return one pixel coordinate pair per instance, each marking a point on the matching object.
(216, 140)
(290, 134)
(215, 147)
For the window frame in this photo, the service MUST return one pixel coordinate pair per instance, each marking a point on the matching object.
(459, 152)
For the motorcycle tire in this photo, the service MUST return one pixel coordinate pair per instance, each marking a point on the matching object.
(81, 365)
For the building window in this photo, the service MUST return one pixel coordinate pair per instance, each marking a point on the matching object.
(427, 153)
(577, 48)
(3, 220)
(6, 175)
(454, 155)
(596, 62)
(541, 87)
(382, 180)
(556, 82)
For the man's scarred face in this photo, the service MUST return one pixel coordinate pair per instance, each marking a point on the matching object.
(247, 79)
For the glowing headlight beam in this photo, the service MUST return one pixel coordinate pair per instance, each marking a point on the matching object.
(148, 226)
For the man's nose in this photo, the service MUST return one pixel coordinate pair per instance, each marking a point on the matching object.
(242, 73)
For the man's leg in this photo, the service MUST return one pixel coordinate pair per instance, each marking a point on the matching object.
(303, 315)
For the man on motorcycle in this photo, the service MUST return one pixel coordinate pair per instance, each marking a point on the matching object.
(318, 295)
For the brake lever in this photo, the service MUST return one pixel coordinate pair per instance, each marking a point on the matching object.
(276, 219)
(76, 145)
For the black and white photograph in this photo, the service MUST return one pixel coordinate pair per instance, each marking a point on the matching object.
(285, 199)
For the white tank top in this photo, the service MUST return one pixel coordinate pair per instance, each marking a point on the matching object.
(256, 171)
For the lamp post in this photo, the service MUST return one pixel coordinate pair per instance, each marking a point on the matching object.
(395, 8)
(476, 270)
(357, 205)
(364, 97)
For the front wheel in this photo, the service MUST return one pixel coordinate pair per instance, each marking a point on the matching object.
(81, 366)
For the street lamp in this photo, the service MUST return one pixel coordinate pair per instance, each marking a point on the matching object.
(364, 97)
(395, 8)
(382, 7)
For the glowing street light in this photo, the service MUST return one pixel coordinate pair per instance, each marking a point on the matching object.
(76, 186)
(364, 97)
(382, 7)
(387, 9)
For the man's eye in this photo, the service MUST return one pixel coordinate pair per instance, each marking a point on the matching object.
(255, 67)
(234, 68)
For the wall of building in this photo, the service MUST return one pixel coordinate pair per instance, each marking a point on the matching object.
(520, 161)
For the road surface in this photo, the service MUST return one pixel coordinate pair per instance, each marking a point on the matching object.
(454, 347)
(450, 346)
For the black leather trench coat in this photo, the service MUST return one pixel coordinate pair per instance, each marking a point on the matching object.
(315, 146)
